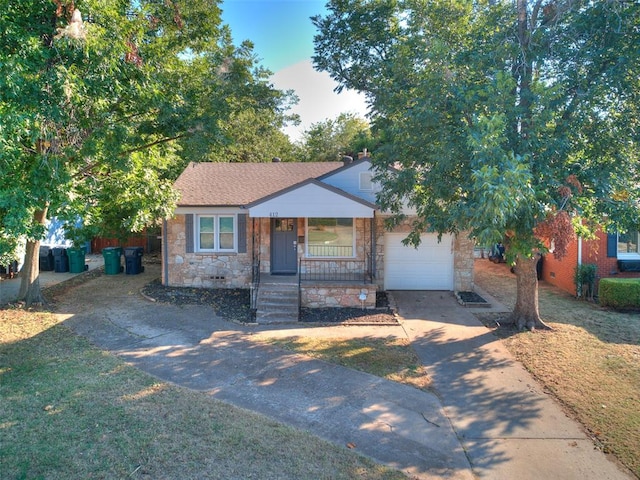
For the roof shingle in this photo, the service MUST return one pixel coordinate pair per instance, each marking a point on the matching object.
(235, 184)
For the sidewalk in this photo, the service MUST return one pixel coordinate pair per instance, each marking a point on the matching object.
(9, 288)
(509, 427)
(489, 419)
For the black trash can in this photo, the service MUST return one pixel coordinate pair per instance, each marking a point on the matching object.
(133, 260)
(46, 262)
(60, 260)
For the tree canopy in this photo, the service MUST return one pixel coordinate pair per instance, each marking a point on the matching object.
(331, 139)
(102, 103)
(509, 120)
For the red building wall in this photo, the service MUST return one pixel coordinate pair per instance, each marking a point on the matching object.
(561, 272)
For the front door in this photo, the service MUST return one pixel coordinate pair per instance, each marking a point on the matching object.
(284, 246)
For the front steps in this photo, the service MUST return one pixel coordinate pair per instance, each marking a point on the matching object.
(277, 301)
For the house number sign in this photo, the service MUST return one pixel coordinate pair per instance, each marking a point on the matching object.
(273, 214)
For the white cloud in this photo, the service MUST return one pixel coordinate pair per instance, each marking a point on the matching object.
(318, 101)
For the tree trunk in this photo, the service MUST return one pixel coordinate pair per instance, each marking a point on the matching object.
(30, 291)
(526, 314)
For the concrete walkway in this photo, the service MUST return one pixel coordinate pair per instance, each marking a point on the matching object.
(488, 420)
(509, 427)
(9, 288)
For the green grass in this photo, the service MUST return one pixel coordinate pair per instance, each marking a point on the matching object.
(71, 411)
(390, 358)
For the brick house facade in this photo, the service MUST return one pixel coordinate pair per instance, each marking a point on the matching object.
(601, 251)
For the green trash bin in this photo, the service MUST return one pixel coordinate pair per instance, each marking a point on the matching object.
(76, 260)
(111, 257)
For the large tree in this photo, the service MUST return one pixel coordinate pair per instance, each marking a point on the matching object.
(331, 139)
(514, 120)
(101, 104)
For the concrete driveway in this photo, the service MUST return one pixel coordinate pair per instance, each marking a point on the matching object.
(489, 418)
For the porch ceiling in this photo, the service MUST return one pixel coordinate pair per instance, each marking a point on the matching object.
(312, 199)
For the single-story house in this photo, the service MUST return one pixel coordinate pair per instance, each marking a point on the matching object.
(310, 227)
(614, 254)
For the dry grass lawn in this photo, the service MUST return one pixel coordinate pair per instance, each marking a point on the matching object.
(590, 361)
(390, 358)
(70, 411)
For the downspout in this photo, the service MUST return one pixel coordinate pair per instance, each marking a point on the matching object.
(579, 251)
(165, 253)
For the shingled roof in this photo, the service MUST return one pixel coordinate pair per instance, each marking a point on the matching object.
(235, 184)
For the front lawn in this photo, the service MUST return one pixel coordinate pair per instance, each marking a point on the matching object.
(71, 411)
(590, 361)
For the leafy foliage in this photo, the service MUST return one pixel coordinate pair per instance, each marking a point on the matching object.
(495, 112)
(620, 293)
(332, 139)
(103, 102)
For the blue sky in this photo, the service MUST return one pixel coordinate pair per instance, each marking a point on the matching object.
(282, 34)
(281, 30)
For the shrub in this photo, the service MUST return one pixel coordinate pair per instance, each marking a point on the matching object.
(585, 274)
(622, 293)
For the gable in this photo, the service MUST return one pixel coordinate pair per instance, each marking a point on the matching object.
(312, 199)
(352, 179)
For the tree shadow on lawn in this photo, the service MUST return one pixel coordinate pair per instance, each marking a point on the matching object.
(556, 306)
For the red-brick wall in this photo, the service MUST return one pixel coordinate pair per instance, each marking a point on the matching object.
(560, 272)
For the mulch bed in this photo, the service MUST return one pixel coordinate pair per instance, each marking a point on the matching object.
(471, 299)
(234, 304)
(231, 304)
(381, 315)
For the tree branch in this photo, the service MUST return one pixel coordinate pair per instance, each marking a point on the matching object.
(152, 144)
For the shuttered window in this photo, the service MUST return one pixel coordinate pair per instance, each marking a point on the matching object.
(216, 233)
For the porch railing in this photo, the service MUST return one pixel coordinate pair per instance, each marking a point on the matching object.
(329, 250)
(335, 270)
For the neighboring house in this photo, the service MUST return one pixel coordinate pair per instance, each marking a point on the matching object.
(312, 225)
(615, 255)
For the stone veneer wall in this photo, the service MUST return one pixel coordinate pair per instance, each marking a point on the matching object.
(203, 270)
(463, 261)
(337, 295)
(234, 270)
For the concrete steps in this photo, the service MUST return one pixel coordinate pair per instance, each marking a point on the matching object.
(277, 303)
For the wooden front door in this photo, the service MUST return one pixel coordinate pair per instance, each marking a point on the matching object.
(284, 246)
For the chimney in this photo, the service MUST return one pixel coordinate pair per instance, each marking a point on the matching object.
(363, 154)
(347, 160)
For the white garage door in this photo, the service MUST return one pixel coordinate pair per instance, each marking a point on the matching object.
(429, 267)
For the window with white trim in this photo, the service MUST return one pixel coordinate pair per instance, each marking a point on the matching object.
(366, 181)
(628, 245)
(330, 237)
(215, 233)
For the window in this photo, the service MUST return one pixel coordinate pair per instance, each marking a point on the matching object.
(366, 183)
(628, 244)
(284, 224)
(216, 233)
(207, 233)
(330, 237)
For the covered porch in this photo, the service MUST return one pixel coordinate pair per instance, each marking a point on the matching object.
(313, 246)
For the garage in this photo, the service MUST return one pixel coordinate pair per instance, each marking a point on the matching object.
(429, 267)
